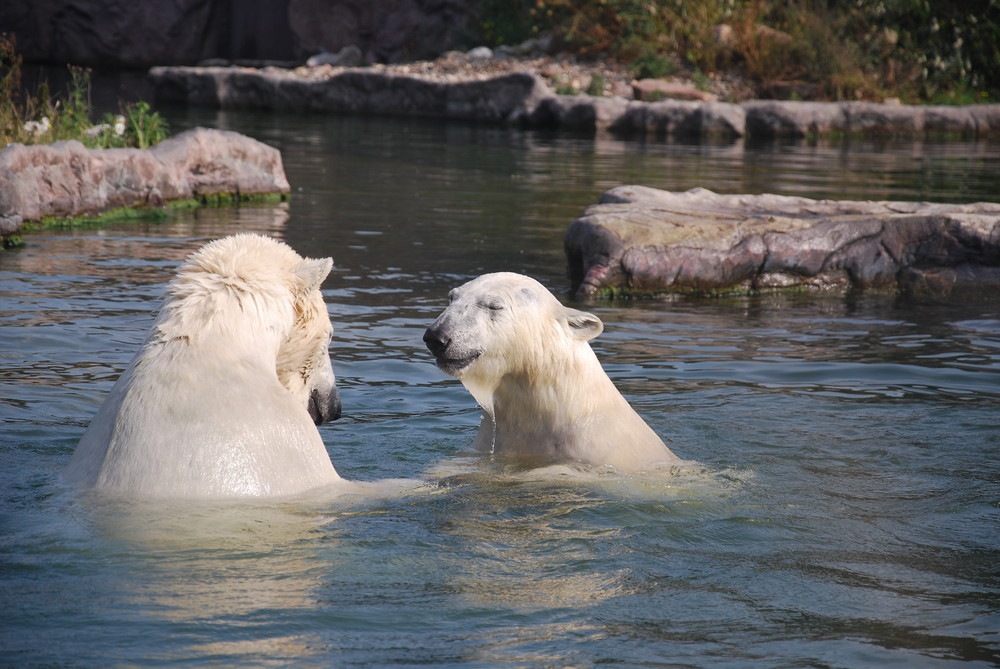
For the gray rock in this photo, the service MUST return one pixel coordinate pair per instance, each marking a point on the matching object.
(793, 119)
(581, 113)
(639, 240)
(349, 56)
(670, 118)
(505, 98)
(799, 119)
(480, 53)
(722, 119)
(67, 180)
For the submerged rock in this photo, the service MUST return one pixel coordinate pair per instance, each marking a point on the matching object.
(67, 180)
(640, 240)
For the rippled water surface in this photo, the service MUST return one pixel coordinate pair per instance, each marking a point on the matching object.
(844, 511)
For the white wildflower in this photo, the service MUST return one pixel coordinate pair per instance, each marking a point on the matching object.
(38, 127)
(98, 129)
(119, 125)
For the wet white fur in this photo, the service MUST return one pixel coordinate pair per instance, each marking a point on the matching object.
(545, 396)
(215, 403)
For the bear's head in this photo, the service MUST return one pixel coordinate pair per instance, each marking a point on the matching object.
(303, 363)
(505, 324)
(246, 288)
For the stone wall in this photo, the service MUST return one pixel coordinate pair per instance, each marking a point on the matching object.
(523, 98)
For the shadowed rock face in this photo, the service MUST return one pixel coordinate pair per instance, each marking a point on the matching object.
(642, 240)
(386, 31)
(68, 180)
(142, 34)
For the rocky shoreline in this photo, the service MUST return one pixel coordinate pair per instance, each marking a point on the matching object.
(66, 180)
(642, 241)
(520, 91)
(635, 241)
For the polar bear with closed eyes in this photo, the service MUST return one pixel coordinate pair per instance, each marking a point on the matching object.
(526, 360)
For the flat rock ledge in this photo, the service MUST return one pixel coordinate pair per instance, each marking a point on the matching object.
(643, 241)
(67, 180)
(523, 98)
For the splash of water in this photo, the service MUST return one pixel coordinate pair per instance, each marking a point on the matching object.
(493, 433)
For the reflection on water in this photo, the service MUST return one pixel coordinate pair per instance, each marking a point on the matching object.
(192, 568)
(842, 510)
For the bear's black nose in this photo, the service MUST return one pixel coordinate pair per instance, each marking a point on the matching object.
(324, 407)
(436, 341)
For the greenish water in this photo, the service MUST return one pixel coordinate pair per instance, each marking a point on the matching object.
(845, 511)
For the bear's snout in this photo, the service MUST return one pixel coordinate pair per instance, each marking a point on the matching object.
(324, 407)
(436, 341)
(452, 358)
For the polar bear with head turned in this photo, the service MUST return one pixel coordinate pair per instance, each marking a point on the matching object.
(527, 361)
(225, 394)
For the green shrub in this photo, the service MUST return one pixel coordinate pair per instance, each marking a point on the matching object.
(596, 85)
(38, 117)
(652, 65)
(919, 50)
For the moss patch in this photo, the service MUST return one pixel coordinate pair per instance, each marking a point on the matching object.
(139, 213)
(219, 199)
(622, 293)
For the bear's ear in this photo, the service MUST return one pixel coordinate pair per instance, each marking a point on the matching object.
(312, 272)
(583, 325)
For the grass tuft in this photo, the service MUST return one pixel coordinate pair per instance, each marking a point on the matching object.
(40, 117)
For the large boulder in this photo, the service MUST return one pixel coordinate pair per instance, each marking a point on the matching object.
(640, 240)
(67, 180)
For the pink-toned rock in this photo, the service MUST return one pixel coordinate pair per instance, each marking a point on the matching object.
(208, 162)
(659, 89)
(67, 180)
(641, 240)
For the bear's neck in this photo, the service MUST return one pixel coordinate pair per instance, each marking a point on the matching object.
(221, 355)
(547, 415)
